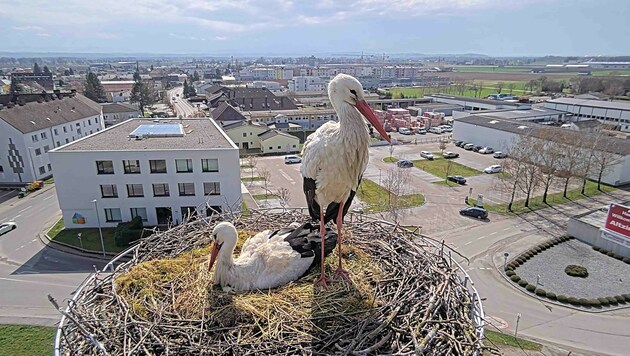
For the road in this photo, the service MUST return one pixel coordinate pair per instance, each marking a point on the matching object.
(29, 270)
(182, 106)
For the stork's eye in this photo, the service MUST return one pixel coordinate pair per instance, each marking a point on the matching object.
(354, 92)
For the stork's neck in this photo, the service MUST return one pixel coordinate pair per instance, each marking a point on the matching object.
(352, 126)
(225, 258)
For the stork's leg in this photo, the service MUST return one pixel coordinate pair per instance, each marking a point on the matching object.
(340, 272)
(322, 281)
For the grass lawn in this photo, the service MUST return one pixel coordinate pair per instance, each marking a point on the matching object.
(264, 196)
(611, 72)
(448, 183)
(90, 237)
(390, 159)
(245, 210)
(439, 166)
(246, 166)
(17, 340)
(252, 179)
(376, 197)
(495, 338)
(50, 180)
(487, 88)
(536, 203)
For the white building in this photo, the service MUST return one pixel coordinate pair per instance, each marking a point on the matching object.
(272, 86)
(29, 131)
(114, 113)
(613, 113)
(161, 171)
(306, 83)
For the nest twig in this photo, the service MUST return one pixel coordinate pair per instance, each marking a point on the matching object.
(406, 298)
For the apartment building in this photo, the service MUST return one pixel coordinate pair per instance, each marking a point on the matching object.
(306, 83)
(160, 170)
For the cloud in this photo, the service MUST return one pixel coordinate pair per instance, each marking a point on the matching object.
(28, 28)
(220, 38)
(43, 34)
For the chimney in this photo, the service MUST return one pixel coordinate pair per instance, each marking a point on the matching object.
(251, 102)
(266, 103)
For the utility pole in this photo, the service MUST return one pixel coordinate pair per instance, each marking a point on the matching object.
(518, 318)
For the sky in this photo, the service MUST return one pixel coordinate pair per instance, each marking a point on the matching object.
(284, 27)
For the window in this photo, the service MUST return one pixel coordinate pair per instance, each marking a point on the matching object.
(213, 209)
(131, 166)
(34, 138)
(58, 144)
(38, 151)
(67, 140)
(44, 136)
(160, 190)
(49, 167)
(42, 170)
(279, 147)
(188, 212)
(65, 130)
(56, 132)
(184, 165)
(1, 169)
(96, 120)
(71, 129)
(244, 134)
(157, 166)
(89, 121)
(135, 190)
(186, 189)
(113, 215)
(109, 191)
(210, 165)
(211, 188)
(141, 212)
(103, 167)
(46, 148)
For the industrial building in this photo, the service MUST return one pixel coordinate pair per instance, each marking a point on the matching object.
(475, 104)
(613, 113)
(161, 171)
(540, 115)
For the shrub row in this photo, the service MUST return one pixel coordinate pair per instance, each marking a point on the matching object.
(612, 254)
(525, 256)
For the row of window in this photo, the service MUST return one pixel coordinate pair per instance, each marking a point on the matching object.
(42, 169)
(44, 135)
(164, 214)
(158, 166)
(160, 189)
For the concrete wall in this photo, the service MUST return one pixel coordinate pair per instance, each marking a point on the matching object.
(592, 235)
(78, 183)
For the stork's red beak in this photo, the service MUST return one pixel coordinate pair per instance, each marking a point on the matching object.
(213, 255)
(366, 111)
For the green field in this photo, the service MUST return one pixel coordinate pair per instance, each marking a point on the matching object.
(376, 197)
(491, 69)
(487, 88)
(498, 339)
(252, 179)
(18, 340)
(89, 236)
(611, 72)
(439, 167)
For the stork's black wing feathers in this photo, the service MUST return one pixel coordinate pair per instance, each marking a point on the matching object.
(333, 208)
(306, 241)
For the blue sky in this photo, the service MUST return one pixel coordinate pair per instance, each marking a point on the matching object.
(281, 27)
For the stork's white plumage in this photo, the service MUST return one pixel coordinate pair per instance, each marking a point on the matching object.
(335, 156)
(267, 260)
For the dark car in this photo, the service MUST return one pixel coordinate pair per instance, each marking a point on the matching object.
(457, 179)
(404, 163)
(475, 212)
(477, 148)
(450, 155)
(458, 143)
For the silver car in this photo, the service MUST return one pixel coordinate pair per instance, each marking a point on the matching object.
(6, 227)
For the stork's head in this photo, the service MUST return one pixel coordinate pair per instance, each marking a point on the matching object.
(345, 89)
(224, 234)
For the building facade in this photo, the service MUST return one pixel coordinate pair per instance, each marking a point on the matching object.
(162, 171)
(612, 113)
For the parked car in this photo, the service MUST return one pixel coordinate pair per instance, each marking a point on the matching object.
(458, 143)
(426, 154)
(477, 148)
(457, 179)
(475, 212)
(446, 128)
(468, 146)
(450, 155)
(495, 168)
(7, 226)
(486, 150)
(404, 163)
(292, 159)
(435, 130)
(421, 131)
(404, 131)
(499, 154)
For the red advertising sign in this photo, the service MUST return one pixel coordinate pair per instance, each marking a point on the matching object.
(618, 220)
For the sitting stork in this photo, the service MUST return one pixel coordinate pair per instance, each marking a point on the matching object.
(334, 158)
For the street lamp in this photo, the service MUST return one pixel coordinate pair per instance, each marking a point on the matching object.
(80, 241)
(100, 231)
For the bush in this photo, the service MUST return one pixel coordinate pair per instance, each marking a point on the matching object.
(612, 300)
(515, 278)
(596, 303)
(619, 257)
(573, 301)
(611, 254)
(523, 283)
(551, 295)
(596, 248)
(604, 251)
(540, 292)
(584, 302)
(530, 287)
(548, 244)
(128, 232)
(603, 301)
(562, 298)
(620, 299)
(521, 260)
(576, 271)
(626, 260)
(510, 273)
(538, 249)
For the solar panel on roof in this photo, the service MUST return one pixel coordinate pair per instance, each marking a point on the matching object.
(158, 130)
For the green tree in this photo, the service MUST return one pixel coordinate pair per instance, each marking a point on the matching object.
(192, 91)
(195, 77)
(93, 89)
(137, 77)
(142, 94)
(37, 69)
(186, 89)
(66, 72)
(46, 70)
(71, 71)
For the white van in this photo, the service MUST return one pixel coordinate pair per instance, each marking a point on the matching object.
(404, 131)
(435, 130)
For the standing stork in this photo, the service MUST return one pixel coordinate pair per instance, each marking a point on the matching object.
(334, 158)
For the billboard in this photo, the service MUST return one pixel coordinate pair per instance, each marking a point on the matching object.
(617, 226)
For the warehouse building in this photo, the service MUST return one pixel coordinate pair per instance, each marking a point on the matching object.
(613, 113)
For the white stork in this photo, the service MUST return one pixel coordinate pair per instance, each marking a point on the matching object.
(334, 158)
(268, 259)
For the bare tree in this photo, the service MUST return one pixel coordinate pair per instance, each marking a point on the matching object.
(570, 157)
(513, 168)
(499, 87)
(396, 183)
(284, 195)
(252, 161)
(510, 87)
(443, 144)
(391, 151)
(550, 156)
(587, 158)
(266, 176)
(604, 159)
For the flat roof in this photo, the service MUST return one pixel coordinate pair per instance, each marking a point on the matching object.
(201, 133)
(518, 114)
(474, 100)
(615, 105)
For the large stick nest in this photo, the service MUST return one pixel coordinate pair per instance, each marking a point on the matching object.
(405, 297)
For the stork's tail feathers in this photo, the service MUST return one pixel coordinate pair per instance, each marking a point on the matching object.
(306, 240)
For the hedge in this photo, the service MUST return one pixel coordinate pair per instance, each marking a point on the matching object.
(562, 298)
(573, 300)
(620, 299)
(596, 303)
(551, 295)
(515, 278)
(626, 260)
(510, 273)
(603, 301)
(612, 300)
(626, 297)
(128, 232)
(576, 271)
(523, 283)
(596, 248)
(540, 292)
(530, 287)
